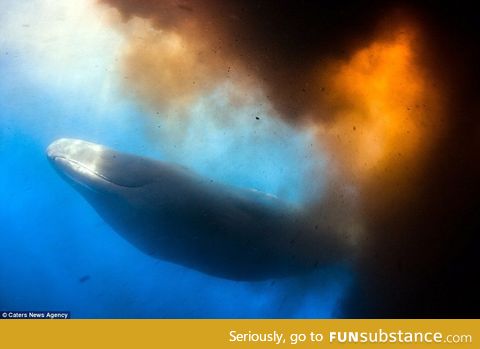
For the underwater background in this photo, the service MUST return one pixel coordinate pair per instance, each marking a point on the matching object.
(60, 77)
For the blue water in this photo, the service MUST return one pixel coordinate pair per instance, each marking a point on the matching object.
(56, 253)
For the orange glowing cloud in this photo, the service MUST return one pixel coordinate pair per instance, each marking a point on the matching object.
(382, 105)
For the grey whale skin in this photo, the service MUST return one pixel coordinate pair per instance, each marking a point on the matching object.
(175, 215)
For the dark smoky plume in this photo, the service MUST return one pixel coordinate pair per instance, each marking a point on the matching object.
(277, 42)
(391, 91)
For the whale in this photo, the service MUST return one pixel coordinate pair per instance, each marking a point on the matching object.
(171, 213)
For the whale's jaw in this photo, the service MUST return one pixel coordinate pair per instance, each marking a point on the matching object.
(93, 165)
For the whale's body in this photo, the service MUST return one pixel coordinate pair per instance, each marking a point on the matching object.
(175, 215)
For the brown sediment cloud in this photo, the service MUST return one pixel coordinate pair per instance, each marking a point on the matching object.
(177, 50)
(378, 96)
(168, 70)
(371, 104)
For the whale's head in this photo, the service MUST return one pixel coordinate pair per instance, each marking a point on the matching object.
(98, 168)
(127, 190)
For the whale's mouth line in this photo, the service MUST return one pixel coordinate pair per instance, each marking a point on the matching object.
(81, 168)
